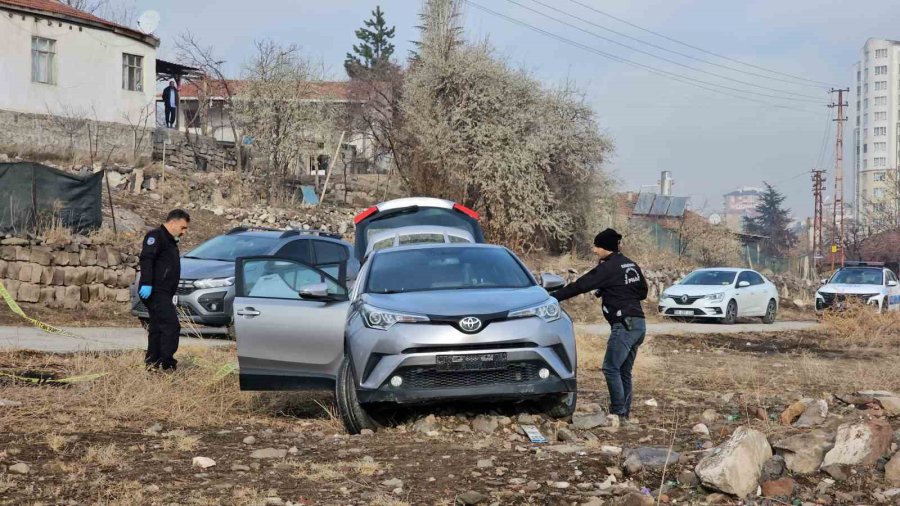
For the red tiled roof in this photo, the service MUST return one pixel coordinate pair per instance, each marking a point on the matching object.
(323, 90)
(58, 8)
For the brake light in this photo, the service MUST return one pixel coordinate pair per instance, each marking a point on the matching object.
(465, 210)
(365, 214)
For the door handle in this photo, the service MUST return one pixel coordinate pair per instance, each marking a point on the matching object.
(248, 312)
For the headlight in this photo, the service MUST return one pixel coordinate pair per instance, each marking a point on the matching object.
(548, 311)
(214, 282)
(715, 297)
(819, 296)
(382, 319)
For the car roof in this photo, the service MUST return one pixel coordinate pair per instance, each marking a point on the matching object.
(407, 247)
(283, 234)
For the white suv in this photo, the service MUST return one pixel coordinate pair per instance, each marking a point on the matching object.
(870, 283)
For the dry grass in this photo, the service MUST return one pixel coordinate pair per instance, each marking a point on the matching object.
(57, 442)
(861, 326)
(104, 456)
(319, 472)
(180, 440)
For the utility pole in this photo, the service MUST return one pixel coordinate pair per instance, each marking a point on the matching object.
(818, 179)
(837, 232)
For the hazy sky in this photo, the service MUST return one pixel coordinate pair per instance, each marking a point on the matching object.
(712, 142)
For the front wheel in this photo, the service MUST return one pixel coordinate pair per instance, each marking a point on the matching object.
(771, 310)
(730, 313)
(561, 406)
(352, 414)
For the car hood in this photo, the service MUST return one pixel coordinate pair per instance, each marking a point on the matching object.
(850, 289)
(459, 302)
(697, 289)
(195, 268)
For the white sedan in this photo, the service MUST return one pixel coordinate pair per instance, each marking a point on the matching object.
(721, 293)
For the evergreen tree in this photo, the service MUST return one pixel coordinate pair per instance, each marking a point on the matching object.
(772, 220)
(374, 49)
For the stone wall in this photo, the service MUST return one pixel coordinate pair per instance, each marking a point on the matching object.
(180, 152)
(42, 135)
(66, 276)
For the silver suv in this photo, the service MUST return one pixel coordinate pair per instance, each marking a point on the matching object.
(423, 323)
(206, 290)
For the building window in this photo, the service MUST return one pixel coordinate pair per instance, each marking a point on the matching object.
(43, 60)
(880, 131)
(880, 85)
(881, 53)
(879, 176)
(878, 193)
(865, 164)
(879, 147)
(879, 162)
(132, 72)
(865, 103)
(881, 70)
(866, 119)
(858, 74)
(880, 101)
(881, 116)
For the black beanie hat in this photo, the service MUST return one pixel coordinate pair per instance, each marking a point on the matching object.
(608, 240)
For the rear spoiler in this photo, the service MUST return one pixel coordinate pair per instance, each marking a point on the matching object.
(374, 210)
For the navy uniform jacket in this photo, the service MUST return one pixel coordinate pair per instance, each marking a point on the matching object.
(619, 281)
(160, 261)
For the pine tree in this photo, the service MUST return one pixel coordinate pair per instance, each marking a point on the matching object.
(772, 220)
(374, 49)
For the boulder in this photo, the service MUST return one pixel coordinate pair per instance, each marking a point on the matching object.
(861, 443)
(649, 457)
(735, 466)
(814, 414)
(889, 401)
(485, 424)
(803, 453)
(792, 412)
(269, 453)
(782, 487)
(587, 421)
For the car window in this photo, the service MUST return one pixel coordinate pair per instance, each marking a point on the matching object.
(709, 278)
(755, 278)
(457, 239)
(297, 250)
(329, 252)
(744, 276)
(421, 238)
(283, 279)
(445, 268)
(384, 243)
(229, 247)
(864, 276)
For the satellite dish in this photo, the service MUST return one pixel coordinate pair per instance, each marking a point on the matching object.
(715, 219)
(148, 22)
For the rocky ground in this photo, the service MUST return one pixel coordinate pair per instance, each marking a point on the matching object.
(754, 419)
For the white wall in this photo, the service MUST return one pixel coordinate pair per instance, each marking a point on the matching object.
(88, 70)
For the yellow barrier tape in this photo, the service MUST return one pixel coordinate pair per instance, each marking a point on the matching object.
(50, 329)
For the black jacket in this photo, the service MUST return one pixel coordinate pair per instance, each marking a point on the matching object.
(619, 281)
(160, 261)
(165, 96)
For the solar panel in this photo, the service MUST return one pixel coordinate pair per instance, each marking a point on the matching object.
(677, 207)
(660, 206)
(644, 203)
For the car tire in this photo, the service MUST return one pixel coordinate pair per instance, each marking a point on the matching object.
(885, 307)
(730, 313)
(771, 311)
(352, 414)
(231, 334)
(560, 406)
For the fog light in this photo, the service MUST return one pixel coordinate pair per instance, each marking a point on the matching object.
(396, 381)
(544, 373)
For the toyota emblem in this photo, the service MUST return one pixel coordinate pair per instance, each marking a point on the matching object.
(470, 324)
(684, 299)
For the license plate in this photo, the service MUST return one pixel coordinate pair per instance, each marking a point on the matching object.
(473, 362)
(682, 312)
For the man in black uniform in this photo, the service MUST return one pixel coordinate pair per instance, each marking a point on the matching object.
(622, 285)
(160, 273)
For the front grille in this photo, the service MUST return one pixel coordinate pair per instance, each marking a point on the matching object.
(831, 298)
(429, 377)
(469, 347)
(690, 299)
(185, 287)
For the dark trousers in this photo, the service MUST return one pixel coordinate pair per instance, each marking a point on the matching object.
(621, 350)
(162, 340)
(170, 116)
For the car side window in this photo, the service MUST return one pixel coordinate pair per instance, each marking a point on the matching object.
(755, 279)
(297, 250)
(283, 279)
(744, 276)
(331, 257)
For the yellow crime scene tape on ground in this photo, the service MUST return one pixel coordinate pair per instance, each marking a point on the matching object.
(50, 329)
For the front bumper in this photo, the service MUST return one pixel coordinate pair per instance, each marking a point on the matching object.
(825, 301)
(410, 352)
(211, 307)
(700, 308)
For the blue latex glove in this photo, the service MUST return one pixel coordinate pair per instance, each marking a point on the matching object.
(144, 292)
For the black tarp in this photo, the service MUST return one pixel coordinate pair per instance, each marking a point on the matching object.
(33, 195)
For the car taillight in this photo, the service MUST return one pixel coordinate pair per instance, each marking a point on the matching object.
(465, 210)
(365, 214)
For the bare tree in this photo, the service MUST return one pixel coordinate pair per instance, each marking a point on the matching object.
(72, 122)
(139, 124)
(192, 53)
(121, 11)
(709, 245)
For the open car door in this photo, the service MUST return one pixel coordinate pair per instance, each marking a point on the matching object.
(289, 320)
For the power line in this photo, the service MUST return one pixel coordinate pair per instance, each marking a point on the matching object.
(663, 48)
(677, 77)
(629, 23)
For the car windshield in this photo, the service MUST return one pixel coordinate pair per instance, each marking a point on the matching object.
(445, 268)
(229, 247)
(709, 278)
(858, 277)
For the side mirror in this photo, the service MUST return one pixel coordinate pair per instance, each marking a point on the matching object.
(551, 282)
(892, 283)
(743, 284)
(316, 291)
(823, 281)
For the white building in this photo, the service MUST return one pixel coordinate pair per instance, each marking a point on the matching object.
(876, 134)
(56, 61)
